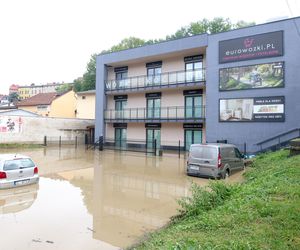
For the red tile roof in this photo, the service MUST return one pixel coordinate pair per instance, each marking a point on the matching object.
(39, 99)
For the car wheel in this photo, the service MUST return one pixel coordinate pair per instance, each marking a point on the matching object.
(226, 174)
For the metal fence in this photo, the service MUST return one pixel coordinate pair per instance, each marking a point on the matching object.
(163, 113)
(164, 79)
(63, 140)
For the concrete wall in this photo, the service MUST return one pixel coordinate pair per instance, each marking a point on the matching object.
(35, 128)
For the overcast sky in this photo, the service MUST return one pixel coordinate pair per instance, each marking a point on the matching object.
(51, 40)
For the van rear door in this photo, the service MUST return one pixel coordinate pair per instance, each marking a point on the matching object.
(204, 156)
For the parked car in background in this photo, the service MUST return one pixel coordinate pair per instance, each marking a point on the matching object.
(17, 170)
(215, 160)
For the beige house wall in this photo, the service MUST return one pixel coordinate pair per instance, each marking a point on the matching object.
(136, 131)
(85, 107)
(34, 109)
(64, 106)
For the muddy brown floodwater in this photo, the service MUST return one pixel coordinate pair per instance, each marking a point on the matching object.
(92, 200)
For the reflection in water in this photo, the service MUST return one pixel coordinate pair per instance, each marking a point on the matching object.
(14, 200)
(93, 199)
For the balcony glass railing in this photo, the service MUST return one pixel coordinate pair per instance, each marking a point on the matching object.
(164, 79)
(164, 113)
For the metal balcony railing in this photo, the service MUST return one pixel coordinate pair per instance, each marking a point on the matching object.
(164, 79)
(177, 113)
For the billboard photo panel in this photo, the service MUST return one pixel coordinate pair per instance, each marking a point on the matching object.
(268, 75)
(257, 109)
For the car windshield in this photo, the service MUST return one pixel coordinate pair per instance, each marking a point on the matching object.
(203, 152)
(18, 164)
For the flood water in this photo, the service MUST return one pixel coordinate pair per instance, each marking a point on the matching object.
(92, 200)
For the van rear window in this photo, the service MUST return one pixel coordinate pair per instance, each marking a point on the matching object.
(18, 164)
(204, 152)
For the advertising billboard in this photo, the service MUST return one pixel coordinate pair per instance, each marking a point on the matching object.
(257, 109)
(251, 47)
(268, 75)
(11, 124)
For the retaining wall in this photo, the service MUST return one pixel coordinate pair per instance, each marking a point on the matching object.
(20, 129)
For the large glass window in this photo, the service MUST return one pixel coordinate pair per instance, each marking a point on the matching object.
(192, 137)
(120, 137)
(120, 106)
(153, 139)
(194, 71)
(153, 108)
(154, 76)
(121, 79)
(193, 106)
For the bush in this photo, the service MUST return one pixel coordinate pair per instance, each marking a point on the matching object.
(204, 199)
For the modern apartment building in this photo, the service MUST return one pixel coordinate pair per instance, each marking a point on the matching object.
(25, 92)
(240, 86)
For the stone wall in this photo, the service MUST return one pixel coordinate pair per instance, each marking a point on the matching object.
(33, 129)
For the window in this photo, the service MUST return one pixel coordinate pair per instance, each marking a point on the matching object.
(153, 139)
(192, 136)
(153, 108)
(120, 137)
(237, 153)
(154, 75)
(120, 106)
(18, 164)
(121, 79)
(42, 107)
(193, 106)
(194, 71)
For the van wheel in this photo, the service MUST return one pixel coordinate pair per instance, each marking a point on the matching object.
(226, 174)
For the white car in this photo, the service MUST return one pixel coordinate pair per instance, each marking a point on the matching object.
(17, 170)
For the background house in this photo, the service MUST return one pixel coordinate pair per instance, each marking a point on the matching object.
(85, 104)
(51, 104)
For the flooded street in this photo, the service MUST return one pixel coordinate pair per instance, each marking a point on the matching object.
(92, 200)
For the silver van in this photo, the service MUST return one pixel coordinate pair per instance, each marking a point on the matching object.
(215, 160)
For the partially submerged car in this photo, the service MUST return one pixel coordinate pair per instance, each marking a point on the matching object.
(215, 160)
(17, 170)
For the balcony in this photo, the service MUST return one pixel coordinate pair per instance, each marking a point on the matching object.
(164, 114)
(164, 80)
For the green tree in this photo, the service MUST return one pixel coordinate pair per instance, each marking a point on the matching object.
(13, 97)
(77, 83)
(64, 88)
(243, 24)
(89, 77)
(127, 43)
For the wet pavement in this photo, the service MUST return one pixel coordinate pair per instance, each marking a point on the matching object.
(93, 200)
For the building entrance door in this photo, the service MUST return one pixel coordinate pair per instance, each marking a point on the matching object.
(152, 135)
(120, 137)
(192, 136)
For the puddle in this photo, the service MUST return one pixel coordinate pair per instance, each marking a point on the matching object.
(92, 199)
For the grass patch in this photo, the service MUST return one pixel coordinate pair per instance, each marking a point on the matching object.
(19, 145)
(261, 213)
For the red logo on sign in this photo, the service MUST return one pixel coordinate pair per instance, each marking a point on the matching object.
(248, 42)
